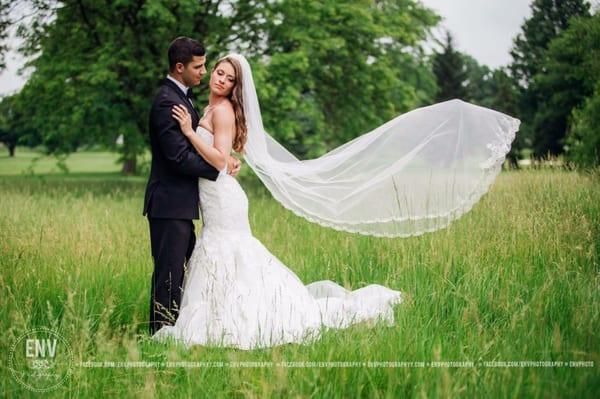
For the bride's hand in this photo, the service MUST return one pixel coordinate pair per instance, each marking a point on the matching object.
(181, 114)
(233, 166)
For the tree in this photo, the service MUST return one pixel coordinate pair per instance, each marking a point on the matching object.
(97, 63)
(450, 72)
(574, 78)
(8, 135)
(14, 129)
(478, 82)
(459, 75)
(5, 23)
(496, 90)
(571, 74)
(334, 70)
(504, 99)
(583, 141)
(544, 123)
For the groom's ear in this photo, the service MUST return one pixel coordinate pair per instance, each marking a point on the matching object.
(179, 68)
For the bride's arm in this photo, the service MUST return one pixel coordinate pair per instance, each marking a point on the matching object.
(223, 125)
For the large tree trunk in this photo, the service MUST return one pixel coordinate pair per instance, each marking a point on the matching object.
(11, 149)
(129, 166)
(129, 154)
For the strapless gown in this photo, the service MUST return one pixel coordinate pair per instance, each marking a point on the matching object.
(237, 294)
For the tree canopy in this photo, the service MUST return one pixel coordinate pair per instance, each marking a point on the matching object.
(326, 71)
(544, 118)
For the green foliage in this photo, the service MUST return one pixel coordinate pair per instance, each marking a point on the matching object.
(326, 71)
(548, 19)
(572, 82)
(450, 72)
(97, 64)
(12, 129)
(459, 75)
(496, 89)
(478, 80)
(544, 112)
(334, 70)
(7, 135)
(584, 139)
(5, 23)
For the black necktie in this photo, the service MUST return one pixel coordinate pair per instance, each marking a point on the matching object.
(190, 96)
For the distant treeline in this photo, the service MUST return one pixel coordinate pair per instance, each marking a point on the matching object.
(326, 71)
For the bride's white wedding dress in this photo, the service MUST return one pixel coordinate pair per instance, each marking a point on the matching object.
(237, 294)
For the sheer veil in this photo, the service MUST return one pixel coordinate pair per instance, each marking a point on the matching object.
(414, 174)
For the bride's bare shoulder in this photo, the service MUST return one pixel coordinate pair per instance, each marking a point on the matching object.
(223, 113)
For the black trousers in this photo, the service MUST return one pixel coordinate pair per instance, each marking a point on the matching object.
(172, 242)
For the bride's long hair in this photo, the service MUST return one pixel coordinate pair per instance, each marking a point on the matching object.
(237, 100)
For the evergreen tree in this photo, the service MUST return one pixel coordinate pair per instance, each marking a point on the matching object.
(450, 72)
(544, 125)
(573, 77)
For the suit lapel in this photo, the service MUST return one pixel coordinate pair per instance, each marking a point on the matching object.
(183, 97)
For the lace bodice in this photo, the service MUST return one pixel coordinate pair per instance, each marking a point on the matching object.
(223, 203)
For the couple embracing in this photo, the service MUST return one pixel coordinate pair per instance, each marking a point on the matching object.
(224, 288)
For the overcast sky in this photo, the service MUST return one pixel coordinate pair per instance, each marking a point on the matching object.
(482, 28)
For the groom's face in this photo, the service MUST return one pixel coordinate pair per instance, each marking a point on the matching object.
(194, 71)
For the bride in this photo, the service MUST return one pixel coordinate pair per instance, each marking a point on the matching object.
(409, 176)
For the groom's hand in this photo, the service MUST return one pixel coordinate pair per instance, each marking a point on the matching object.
(233, 166)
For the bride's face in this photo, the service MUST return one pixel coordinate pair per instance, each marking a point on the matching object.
(222, 79)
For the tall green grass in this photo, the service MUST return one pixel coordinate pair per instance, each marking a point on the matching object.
(514, 279)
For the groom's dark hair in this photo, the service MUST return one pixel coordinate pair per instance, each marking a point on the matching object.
(183, 49)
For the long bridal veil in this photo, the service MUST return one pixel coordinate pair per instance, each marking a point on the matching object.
(414, 174)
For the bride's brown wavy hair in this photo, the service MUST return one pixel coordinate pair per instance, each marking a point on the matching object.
(237, 100)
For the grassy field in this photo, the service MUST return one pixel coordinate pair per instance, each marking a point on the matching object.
(29, 162)
(516, 279)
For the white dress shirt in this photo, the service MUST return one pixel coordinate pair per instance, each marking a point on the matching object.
(182, 87)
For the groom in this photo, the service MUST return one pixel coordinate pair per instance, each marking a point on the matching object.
(171, 199)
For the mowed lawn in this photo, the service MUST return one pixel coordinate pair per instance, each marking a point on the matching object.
(28, 162)
(516, 279)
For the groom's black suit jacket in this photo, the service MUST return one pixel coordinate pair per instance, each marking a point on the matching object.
(172, 190)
